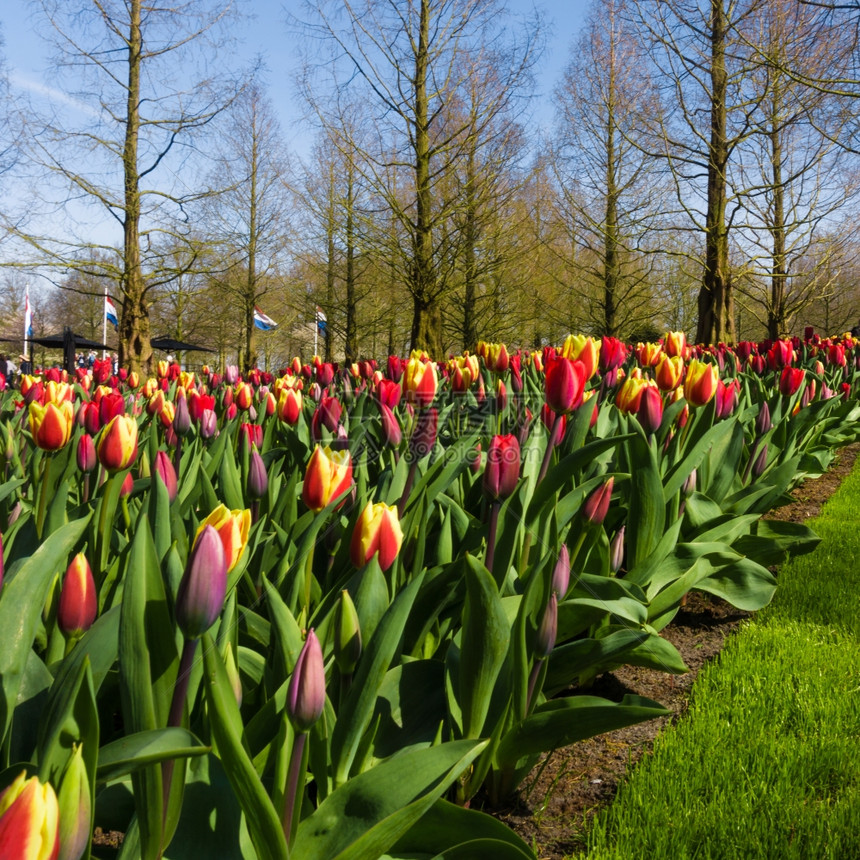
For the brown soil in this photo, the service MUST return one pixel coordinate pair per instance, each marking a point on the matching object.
(566, 789)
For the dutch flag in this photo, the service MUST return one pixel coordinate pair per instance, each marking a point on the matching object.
(321, 320)
(110, 312)
(266, 323)
(28, 316)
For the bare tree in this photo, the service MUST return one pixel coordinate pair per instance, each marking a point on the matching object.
(141, 79)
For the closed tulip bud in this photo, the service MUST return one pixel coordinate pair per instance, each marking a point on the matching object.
(258, 478)
(501, 395)
(760, 462)
(51, 425)
(597, 504)
(377, 531)
(496, 357)
(391, 433)
(78, 603)
(29, 820)
(325, 374)
(420, 382)
(726, 398)
(475, 459)
(330, 412)
(232, 528)
(763, 421)
(564, 384)
(203, 588)
(181, 416)
(584, 349)
(85, 456)
(111, 405)
(782, 352)
(231, 374)
(790, 380)
(289, 405)
(669, 373)
(423, 437)
(327, 476)
(75, 807)
(208, 424)
(347, 635)
(547, 629)
(613, 354)
(649, 354)
(689, 485)
(388, 392)
(675, 344)
(117, 447)
(561, 573)
(701, 383)
(306, 691)
(163, 468)
(244, 396)
(629, 396)
(650, 412)
(502, 472)
(616, 550)
(127, 486)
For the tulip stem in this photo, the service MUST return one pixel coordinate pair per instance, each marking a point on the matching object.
(43, 496)
(291, 792)
(551, 443)
(174, 719)
(495, 507)
(532, 682)
(309, 572)
(410, 480)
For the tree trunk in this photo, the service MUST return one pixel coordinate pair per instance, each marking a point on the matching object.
(716, 302)
(776, 323)
(135, 351)
(610, 236)
(329, 275)
(250, 357)
(470, 240)
(426, 319)
(350, 350)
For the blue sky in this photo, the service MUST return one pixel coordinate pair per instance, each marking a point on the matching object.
(267, 34)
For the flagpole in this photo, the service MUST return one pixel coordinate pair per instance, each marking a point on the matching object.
(104, 325)
(28, 315)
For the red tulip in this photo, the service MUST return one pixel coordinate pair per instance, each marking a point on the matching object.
(420, 382)
(327, 476)
(790, 380)
(376, 531)
(117, 446)
(51, 425)
(78, 603)
(388, 392)
(669, 372)
(613, 354)
(597, 504)
(650, 411)
(675, 344)
(85, 456)
(29, 820)
(163, 468)
(701, 383)
(564, 384)
(502, 472)
(391, 432)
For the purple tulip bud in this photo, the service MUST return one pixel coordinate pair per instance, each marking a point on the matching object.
(231, 374)
(763, 422)
(561, 573)
(86, 454)
(258, 479)
(650, 412)
(208, 424)
(616, 552)
(181, 417)
(201, 593)
(760, 463)
(163, 468)
(423, 437)
(548, 629)
(306, 693)
(597, 504)
(689, 485)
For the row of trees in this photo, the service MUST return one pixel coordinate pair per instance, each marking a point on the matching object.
(701, 175)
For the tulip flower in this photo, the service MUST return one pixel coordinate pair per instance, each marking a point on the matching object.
(502, 472)
(616, 550)
(701, 383)
(584, 349)
(548, 629)
(790, 380)
(289, 405)
(613, 354)
(85, 456)
(496, 357)
(564, 384)
(327, 476)
(163, 467)
(782, 353)
(597, 504)
(208, 424)
(258, 479)
(669, 372)
(760, 463)
(650, 411)
(388, 392)
(391, 432)
(29, 820)
(181, 416)
(675, 344)
(75, 808)
(232, 528)
(561, 573)
(376, 531)
(117, 446)
(203, 588)
(78, 604)
(51, 425)
(329, 412)
(420, 382)
(127, 486)
(306, 691)
(649, 354)
(423, 437)
(726, 398)
(629, 395)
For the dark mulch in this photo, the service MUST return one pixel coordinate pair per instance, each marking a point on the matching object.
(557, 802)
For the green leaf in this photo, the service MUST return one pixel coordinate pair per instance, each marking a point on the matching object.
(21, 602)
(367, 815)
(263, 823)
(123, 756)
(360, 703)
(693, 458)
(484, 642)
(647, 511)
(561, 722)
(446, 828)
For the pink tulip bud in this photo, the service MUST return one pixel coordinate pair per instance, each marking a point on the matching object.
(561, 573)
(201, 593)
(86, 454)
(760, 463)
(616, 551)
(258, 479)
(650, 411)
(181, 416)
(164, 469)
(306, 692)
(208, 424)
(763, 421)
(548, 629)
(597, 504)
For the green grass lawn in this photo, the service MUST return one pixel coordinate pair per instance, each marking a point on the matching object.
(767, 762)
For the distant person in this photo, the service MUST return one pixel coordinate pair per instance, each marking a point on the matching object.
(855, 332)
(26, 365)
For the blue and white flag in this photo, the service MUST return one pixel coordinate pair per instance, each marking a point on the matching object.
(110, 312)
(321, 320)
(28, 316)
(266, 323)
